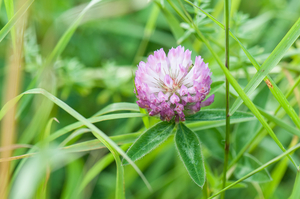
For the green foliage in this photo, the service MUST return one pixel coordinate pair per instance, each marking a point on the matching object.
(82, 56)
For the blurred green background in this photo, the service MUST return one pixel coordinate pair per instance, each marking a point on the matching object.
(96, 69)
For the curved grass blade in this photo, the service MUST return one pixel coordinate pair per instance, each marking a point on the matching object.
(259, 169)
(5, 30)
(97, 168)
(280, 123)
(216, 114)
(189, 148)
(9, 7)
(96, 144)
(175, 27)
(63, 41)
(112, 146)
(122, 106)
(74, 136)
(296, 190)
(149, 140)
(120, 187)
(76, 125)
(247, 164)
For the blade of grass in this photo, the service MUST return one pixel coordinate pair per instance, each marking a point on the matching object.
(9, 6)
(5, 30)
(259, 169)
(74, 135)
(76, 125)
(122, 106)
(280, 123)
(64, 40)
(148, 31)
(97, 168)
(96, 144)
(120, 186)
(296, 190)
(176, 29)
(278, 173)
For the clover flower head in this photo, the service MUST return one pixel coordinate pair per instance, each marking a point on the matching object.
(171, 85)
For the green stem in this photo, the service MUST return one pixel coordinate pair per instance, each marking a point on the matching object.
(227, 138)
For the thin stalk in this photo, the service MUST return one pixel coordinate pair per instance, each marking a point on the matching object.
(227, 138)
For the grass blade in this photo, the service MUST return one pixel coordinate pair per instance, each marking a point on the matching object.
(5, 30)
(122, 106)
(76, 125)
(64, 40)
(296, 190)
(259, 169)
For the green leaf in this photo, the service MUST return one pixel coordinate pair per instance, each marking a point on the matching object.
(189, 148)
(216, 114)
(149, 140)
(247, 164)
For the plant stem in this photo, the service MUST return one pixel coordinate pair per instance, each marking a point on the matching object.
(227, 138)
